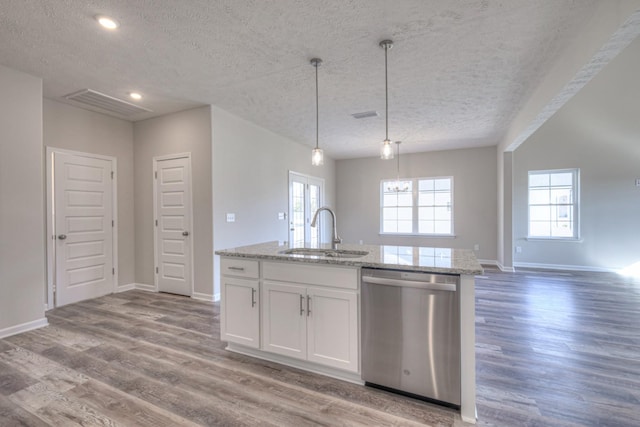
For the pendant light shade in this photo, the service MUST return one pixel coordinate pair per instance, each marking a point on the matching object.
(386, 151)
(398, 186)
(317, 155)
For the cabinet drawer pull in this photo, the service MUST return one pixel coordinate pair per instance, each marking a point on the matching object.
(236, 268)
(253, 297)
(301, 307)
(308, 305)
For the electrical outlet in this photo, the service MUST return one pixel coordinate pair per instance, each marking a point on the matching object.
(637, 182)
(518, 249)
(281, 215)
(231, 217)
(476, 247)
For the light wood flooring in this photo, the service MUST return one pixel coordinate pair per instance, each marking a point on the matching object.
(553, 349)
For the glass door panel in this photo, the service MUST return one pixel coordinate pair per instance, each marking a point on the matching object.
(306, 195)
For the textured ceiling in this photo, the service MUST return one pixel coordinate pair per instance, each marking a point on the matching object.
(458, 72)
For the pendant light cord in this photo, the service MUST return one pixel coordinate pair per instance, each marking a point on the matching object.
(398, 163)
(317, 110)
(386, 94)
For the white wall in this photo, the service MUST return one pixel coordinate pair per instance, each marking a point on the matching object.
(250, 178)
(186, 131)
(22, 253)
(72, 128)
(475, 197)
(597, 131)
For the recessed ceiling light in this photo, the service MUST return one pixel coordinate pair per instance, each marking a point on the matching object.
(106, 22)
(135, 95)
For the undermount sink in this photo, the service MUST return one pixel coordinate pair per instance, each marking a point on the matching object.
(329, 253)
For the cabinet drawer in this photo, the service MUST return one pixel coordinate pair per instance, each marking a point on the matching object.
(322, 275)
(240, 267)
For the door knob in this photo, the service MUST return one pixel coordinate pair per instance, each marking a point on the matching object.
(62, 236)
(185, 233)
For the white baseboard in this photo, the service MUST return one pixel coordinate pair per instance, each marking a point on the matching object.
(202, 297)
(124, 288)
(564, 267)
(497, 264)
(506, 269)
(145, 287)
(24, 327)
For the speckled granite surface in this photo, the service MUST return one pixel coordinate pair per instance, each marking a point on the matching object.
(434, 260)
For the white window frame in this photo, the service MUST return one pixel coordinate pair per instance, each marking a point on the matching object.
(576, 204)
(415, 208)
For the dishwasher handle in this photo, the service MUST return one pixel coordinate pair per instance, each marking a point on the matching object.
(450, 287)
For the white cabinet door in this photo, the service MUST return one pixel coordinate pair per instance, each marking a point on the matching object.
(284, 319)
(332, 326)
(240, 312)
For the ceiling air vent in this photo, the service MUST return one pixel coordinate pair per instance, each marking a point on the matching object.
(106, 103)
(365, 115)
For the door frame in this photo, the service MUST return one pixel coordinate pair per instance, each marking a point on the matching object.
(307, 178)
(51, 228)
(155, 161)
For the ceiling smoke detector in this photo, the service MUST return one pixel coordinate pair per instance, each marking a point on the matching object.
(365, 115)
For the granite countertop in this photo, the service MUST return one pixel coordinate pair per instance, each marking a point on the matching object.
(409, 258)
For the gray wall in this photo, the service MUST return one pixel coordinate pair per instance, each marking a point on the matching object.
(76, 129)
(474, 174)
(22, 253)
(597, 131)
(186, 131)
(250, 178)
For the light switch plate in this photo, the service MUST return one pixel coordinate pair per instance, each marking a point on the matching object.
(281, 215)
(231, 217)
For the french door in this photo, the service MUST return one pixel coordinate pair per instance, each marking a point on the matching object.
(306, 195)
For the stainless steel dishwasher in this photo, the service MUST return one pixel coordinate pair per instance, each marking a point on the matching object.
(411, 333)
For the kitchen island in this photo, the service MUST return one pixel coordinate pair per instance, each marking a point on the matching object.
(302, 306)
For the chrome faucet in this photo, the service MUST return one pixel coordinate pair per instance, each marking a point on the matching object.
(335, 240)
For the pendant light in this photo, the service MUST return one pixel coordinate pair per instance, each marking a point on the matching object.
(398, 186)
(317, 155)
(386, 151)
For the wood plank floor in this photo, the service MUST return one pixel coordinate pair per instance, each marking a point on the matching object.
(553, 349)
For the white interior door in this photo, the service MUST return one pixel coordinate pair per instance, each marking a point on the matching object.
(173, 225)
(306, 195)
(83, 206)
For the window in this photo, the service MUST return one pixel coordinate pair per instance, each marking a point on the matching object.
(553, 204)
(422, 206)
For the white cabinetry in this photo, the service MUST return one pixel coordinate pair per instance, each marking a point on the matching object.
(299, 314)
(332, 329)
(311, 313)
(240, 310)
(284, 321)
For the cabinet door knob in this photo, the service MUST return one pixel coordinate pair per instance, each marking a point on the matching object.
(62, 236)
(185, 233)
